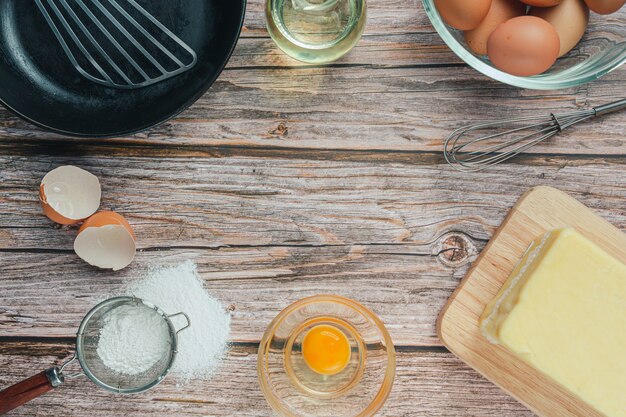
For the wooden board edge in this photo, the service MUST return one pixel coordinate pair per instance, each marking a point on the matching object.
(518, 209)
(616, 239)
(520, 201)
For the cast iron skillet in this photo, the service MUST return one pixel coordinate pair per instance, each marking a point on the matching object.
(39, 83)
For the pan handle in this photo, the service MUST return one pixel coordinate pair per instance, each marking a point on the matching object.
(22, 392)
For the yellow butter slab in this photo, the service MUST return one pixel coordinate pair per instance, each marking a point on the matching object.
(563, 311)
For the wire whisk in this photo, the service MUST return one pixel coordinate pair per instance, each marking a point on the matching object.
(466, 150)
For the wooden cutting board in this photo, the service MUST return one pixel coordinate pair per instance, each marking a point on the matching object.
(539, 210)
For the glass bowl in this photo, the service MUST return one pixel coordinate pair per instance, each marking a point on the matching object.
(602, 49)
(360, 389)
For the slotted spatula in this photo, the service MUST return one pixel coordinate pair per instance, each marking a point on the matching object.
(117, 43)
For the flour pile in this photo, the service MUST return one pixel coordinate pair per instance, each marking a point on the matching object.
(202, 346)
(133, 339)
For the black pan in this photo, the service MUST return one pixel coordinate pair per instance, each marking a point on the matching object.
(38, 82)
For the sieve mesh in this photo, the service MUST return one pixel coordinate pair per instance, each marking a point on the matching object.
(87, 344)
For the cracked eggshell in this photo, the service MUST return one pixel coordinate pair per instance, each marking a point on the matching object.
(69, 194)
(106, 240)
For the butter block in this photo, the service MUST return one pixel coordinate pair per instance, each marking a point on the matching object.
(563, 311)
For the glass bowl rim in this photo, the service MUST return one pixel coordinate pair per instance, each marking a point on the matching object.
(538, 82)
(387, 384)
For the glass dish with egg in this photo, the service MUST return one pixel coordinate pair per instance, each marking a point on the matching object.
(326, 356)
(538, 44)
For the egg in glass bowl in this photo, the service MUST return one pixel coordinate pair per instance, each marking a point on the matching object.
(326, 356)
(597, 47)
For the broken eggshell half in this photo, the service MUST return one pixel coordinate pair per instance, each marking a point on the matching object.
(106, 240)
(69, 194)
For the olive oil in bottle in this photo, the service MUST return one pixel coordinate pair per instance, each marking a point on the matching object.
(316, 31)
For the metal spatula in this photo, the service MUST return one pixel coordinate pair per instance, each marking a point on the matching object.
(116, 43)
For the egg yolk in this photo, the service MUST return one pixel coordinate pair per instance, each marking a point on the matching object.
(326, 350)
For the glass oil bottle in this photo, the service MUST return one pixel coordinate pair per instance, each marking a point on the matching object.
(316, 31)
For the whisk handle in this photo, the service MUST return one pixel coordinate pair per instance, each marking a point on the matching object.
(611, 107)
(31, 388)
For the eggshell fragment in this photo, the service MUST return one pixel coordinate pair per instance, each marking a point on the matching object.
(541, 3)
(570, 19)
(69, 194)
(463, 14)
(524, 46)
(106, 240)
(605, 6)
(500, 12)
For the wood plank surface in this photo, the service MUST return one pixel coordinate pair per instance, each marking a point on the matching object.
(267, 232)
(427, 383)
(287, 180)
(213, 202)
(357, 108)
(47, 294)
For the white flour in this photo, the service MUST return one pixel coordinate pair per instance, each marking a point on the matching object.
(202, 346)
(132, 339)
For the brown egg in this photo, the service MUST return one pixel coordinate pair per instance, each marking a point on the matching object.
(500, 12)
(570, 19)
(524, 46)
(541, 3)
(463, 14)
(605, 6)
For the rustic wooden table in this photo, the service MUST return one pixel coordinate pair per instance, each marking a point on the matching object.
(287, 180)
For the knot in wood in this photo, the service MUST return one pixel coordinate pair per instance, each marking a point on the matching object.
(454, 249)
(281, 130)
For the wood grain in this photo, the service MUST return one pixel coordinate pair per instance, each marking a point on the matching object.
(537, 212)
(235, 201)
(427, 383)
(47, 294)
(304, 108)
(269, 231)
(287, 180)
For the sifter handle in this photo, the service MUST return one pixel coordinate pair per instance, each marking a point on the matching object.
(186, 318)
(22, 392)
(610, 108)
